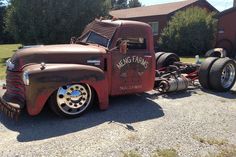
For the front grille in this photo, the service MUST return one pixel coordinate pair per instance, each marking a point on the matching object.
(15, 86)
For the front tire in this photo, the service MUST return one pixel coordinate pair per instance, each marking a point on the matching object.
(72, 100)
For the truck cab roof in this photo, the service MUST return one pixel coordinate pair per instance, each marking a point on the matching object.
(107, 28)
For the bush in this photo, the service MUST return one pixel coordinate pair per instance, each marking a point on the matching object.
(189, 32)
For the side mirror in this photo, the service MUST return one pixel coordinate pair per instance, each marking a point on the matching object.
(123, 47)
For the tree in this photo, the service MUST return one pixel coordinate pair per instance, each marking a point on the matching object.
(119, 4)
(51, 21)
(124, 4)
(2, 10)
(2, 3)
(4, 36)
(189, 32)
(134, 4)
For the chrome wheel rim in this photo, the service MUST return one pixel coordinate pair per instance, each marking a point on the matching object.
(228, 75)
(73, 99)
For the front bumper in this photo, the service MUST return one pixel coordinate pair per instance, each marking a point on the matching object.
(10, 106)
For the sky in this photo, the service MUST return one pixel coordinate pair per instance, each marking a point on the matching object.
(218, 4)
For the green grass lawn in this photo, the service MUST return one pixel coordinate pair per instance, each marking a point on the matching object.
(189, 59)
(6, 51)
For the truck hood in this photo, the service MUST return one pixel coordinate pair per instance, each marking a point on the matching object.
(70, 53)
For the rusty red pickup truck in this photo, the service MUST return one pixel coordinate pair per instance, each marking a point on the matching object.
(110, 58)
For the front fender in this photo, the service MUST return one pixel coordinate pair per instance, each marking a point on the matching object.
(43, 82)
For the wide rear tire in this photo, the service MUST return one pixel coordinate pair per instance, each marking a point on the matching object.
(204, 72)
(223, 74)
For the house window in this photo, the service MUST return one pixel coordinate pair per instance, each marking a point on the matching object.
(221, 31)
(155, 27)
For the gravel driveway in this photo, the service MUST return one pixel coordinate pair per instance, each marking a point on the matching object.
(194, 123)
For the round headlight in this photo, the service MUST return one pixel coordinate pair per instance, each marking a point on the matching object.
(26, 78)
(10, 65)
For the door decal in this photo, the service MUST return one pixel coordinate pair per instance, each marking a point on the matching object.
(134, 59)
(131, 70)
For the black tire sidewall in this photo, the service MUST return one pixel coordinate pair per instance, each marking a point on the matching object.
(157, 56)
(204, 72)
(162, 61)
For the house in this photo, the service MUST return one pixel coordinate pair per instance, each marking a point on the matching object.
(226, 36)
(159, 15)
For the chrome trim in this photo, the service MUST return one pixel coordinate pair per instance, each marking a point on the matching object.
(95, 62)
(25, 78)
(228, 75)
(9, 64)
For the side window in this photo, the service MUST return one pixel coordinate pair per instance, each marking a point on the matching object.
(155, 27)
(134, 43)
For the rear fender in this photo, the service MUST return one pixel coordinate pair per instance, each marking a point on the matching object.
(43, 82)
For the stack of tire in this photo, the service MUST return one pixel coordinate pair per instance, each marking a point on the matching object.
(164, 59)
(215, 73)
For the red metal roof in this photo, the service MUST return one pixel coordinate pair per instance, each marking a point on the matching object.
(154, 10)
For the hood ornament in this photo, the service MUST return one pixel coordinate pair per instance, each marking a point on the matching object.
(43, 66)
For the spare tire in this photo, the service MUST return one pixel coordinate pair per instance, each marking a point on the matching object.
(216, 52)
(222, 74)
(204, 72)
(227, 45)
(158, 55)
(167, 59)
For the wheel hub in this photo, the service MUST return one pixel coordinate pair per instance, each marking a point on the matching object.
(228, 75)
(73, 99)
(75, 95)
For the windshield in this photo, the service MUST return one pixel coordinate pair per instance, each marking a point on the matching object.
(95, 38)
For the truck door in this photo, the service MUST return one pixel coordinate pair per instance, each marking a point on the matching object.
(133, 71)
